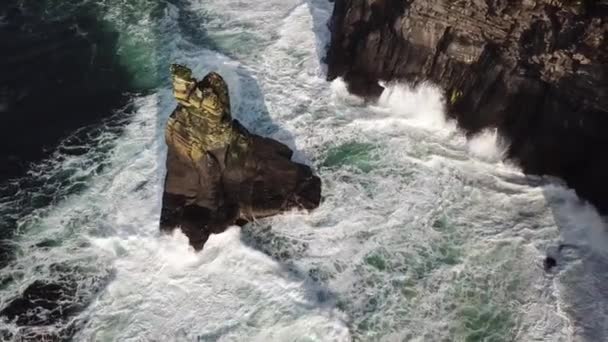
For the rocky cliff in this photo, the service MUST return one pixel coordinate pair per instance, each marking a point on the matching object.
(219, 174)
(535, 69)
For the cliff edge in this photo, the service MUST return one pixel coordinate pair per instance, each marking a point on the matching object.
(536, 70)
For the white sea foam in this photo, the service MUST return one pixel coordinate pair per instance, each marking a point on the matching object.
(422, 235)
(340, 93)
(422, 105)
(488, 145)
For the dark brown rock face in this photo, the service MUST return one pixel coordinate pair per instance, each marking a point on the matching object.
(219, 174)
(537, 70)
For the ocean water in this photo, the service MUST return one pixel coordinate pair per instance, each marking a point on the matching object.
(65, 65)
(423, 234)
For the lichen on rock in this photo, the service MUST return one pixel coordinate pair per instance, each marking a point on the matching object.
(202, 120)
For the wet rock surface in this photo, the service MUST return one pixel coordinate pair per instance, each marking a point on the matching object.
(219, 174)
(536, 70)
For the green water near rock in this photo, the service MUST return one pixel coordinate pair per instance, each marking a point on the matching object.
(358, 155)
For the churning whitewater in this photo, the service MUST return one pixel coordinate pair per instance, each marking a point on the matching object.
(422, 234)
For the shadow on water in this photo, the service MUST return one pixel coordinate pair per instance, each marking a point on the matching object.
(285, 250)
(576, 261)
(320, 11)
(579, 262)
(251, 110)
(57, 74)
(259, 235)
(62, 86)
(59, 77)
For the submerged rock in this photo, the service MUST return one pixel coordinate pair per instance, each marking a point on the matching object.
(549, 263)
(219, 174)
(536, 70)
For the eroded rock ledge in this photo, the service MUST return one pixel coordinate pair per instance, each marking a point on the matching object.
(537, 70)
(219, 174)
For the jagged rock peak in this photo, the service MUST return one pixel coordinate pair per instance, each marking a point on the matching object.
(219, 174)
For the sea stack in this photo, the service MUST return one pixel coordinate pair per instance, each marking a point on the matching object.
(219, 174)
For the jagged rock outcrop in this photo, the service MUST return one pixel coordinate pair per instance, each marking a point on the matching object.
(537, 70)
(219, 174)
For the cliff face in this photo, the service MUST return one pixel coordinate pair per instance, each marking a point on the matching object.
(219, 174)
(536, 69)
